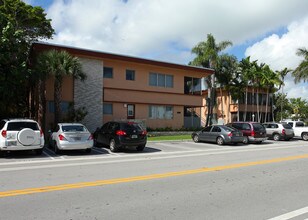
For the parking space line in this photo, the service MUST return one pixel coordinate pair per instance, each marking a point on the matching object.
(48, 155)
(292, 214)
(52, 157)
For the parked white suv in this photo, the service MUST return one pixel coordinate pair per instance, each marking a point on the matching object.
(21, 134)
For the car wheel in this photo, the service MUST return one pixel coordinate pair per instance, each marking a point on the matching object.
(140, 148)
(112, 145)
(276, 137)
(220, 141)
(38, 151)
(245, 141)
(88, 150)
(196, 138)
(305, 136)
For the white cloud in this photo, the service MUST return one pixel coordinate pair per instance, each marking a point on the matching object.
(167, 30)
(280, 52)
(137, 27)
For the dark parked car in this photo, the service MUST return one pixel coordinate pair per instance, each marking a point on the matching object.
(219, 134)
(120, 135)
(252, 131)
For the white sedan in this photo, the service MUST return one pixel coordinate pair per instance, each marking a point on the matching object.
(71, 136)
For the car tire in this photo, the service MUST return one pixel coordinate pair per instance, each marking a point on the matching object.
(196, 138)
(140, 148)
(276, 137)
(112, 145)
(305, 136)
(245, 140)
(88, 150)
(38, 151)
(220, 141)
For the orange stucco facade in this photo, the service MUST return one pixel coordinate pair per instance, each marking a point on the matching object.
(130, 99)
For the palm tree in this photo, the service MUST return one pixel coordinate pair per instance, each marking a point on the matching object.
(207, 56)
(301, 72)
(270, 79)
(282, 75)
(226, 68)
(57, 64)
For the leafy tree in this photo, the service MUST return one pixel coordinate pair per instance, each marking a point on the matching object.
(58, 64)
(299, 108)
(207, 56)
(20, 24)
(301, 72)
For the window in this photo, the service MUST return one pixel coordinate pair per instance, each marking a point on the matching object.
(107, 109)
(192, 85)
(64, 106)
(130, 74)
(161, 80)
(130, 111)
(108, 72)
(160, 112)
(216, 129)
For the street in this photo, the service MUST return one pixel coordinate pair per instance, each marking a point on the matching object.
(169, 180)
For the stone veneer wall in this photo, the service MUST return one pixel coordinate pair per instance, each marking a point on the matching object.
(89, 93)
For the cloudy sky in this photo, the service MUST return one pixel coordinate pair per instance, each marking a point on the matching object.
(269, 31)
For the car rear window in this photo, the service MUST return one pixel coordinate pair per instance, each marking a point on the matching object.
(258, 127)
(287, 126)
(228, 129)
(18, 126)
(130, 126)
(71, 128)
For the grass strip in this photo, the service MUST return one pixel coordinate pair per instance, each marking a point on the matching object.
(170, 138)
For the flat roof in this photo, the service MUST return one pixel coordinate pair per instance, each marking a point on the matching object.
(41, 46)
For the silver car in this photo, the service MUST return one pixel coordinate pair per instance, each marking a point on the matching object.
(71, 136)
(279, 131)
(219, 134)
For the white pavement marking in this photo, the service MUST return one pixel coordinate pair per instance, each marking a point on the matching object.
(176, 146)
(291, 214)
(48, 155)
(157, 156)
(151, 155)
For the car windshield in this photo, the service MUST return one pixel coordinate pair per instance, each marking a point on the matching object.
(18, 126)
(72, 128)
(258, 127)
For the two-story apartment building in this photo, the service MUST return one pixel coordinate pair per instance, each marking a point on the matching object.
(158, 94)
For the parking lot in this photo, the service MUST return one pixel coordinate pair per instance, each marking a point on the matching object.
(152, 149)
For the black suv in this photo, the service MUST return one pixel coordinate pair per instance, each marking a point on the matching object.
(120, 135)
(252, 131)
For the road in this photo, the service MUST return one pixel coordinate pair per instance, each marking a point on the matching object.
(169, 180)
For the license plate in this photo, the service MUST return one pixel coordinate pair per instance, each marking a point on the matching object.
(77, 138)
(11, 143)
(134, 136)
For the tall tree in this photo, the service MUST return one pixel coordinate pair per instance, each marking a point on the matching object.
(20, 24)
(301, 72)
(226, 68)
(58, 64)
(283, 73)
(207, 56)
